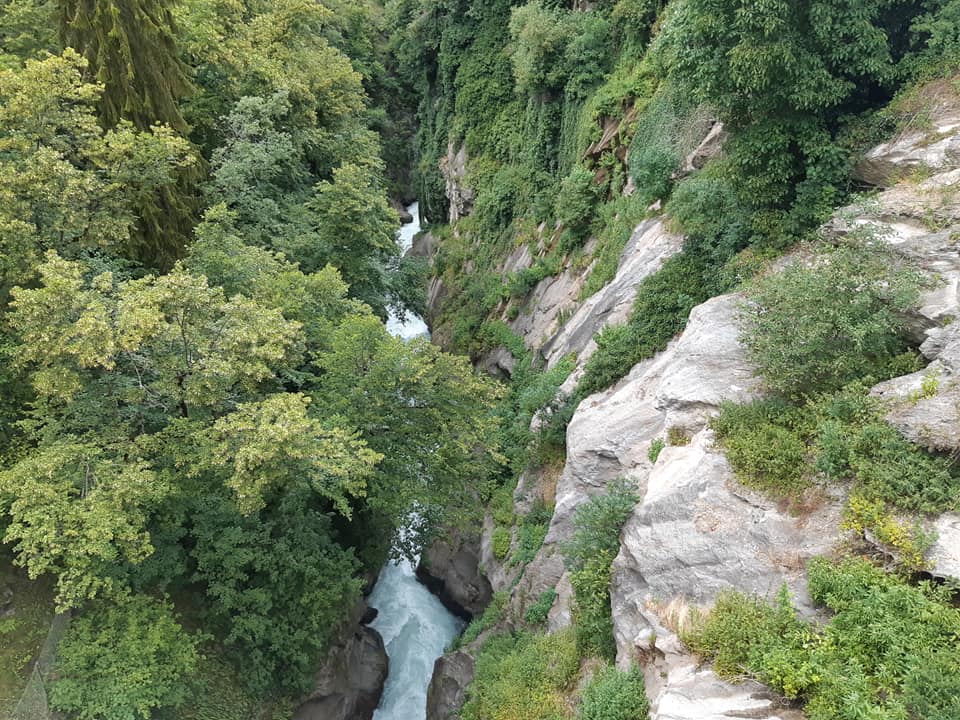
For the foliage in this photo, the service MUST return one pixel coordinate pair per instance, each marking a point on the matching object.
(656, 447)
(522, 677)
(909, 543)
(613, 694)
(538, 611)
(576, 203)
(531, 531)
(123, 660)
(491, 615)
(588, 555)
(501, 540)
(817, 326)
(763, 446)
(885, 641)
(677, 436)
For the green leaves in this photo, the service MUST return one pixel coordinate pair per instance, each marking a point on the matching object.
(816, 327)
(123, 660)
(272, 444)
(81, 514)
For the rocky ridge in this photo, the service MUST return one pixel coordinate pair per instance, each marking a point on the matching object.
(696, 531)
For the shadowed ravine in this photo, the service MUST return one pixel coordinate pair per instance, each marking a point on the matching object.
(414, 624)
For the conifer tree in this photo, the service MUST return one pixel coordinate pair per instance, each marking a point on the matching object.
(131, 49)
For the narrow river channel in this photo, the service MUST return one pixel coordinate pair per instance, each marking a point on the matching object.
(415, 626)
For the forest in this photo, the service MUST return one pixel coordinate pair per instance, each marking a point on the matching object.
(209, 442)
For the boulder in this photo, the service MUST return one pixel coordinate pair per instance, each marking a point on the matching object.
(450, 568)
(452, 674)
(350, 682)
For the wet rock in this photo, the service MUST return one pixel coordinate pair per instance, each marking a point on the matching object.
(402, 212)
(350, 682)
(450, 568)
(448, 687)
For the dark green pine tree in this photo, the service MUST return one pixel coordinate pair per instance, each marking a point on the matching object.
(132, 50)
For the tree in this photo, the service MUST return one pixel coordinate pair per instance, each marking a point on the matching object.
(356, 233)
(426, 412)
(65, 183)
(277, 585)
(131, 50)
(272, 445)
(124, 659)
(80, 513)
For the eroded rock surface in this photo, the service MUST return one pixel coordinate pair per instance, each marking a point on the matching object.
(350, 682)
(649, 247)
(450, 569)
(452, 674)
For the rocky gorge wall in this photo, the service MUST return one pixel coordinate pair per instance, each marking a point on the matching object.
(696, 531)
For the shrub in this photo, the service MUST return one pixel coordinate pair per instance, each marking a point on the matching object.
(889, 650)
(908, 541)
(501, 542)
(655, 448)
(615, 695)
(677, 436)
(533, 529)
(492, 614)
(122, 660)
(588, 554)
(537, 612)
(576, 202)
(764, 448)
(815, 328)
(522, 677)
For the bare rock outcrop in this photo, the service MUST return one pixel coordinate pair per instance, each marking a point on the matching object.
(453, 167)
(349, 684)
(611, 432)
(650, 245)
(450, 568)
(452, 673)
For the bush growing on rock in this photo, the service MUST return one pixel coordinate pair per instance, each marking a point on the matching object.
(523, 677)
(817, 326)
(889, 650)
(589, 554)
(615, 695)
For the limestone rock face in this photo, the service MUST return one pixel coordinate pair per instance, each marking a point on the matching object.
(450, 569)
(710, 534)
(944, 556)
(649, 246)
(350, 682)
(453, 167)
(452, 674)
(933, 148)
(610, 434)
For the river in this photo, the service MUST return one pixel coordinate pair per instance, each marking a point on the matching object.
(415, 626)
